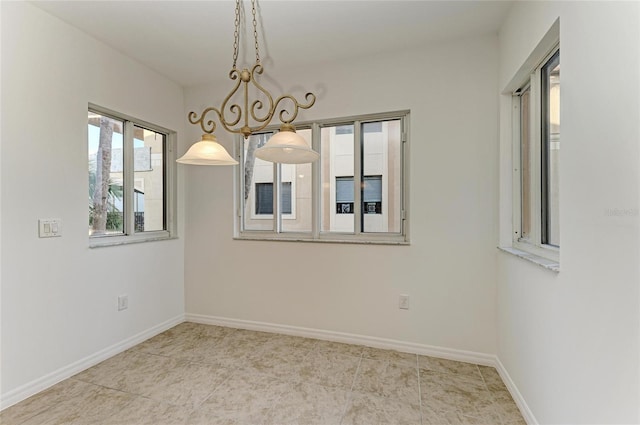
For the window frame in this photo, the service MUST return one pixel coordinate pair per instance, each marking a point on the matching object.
(534, 243)
(129, 234)
(316, 235)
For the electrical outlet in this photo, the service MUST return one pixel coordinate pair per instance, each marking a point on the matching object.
(123, 302)
(404, 302)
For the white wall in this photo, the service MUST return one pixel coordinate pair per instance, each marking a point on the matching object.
(449, 268)
(570, 340)
(58, 296)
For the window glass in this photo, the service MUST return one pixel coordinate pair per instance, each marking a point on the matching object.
(551, 151)
(148, 179)
(106, 179)
(525, 163)
(381, 177)
(297, 179)
(336, 162)
(354, 192)
(257, 173)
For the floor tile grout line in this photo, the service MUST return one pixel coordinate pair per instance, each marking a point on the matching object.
(350, 392)
(419, 389)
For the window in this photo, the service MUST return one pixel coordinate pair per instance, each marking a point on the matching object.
(264, 198)
(537, 148)
(371, 195)
(344, 195)
(355, 192)
(129, 175)
(550, 156)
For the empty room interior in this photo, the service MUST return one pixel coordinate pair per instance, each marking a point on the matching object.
(320, 212)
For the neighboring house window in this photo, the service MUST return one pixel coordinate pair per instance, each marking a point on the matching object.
(371, 195)
(344, 195)
(537, 147)
(130, 194)
(355, 192)
(264, 198)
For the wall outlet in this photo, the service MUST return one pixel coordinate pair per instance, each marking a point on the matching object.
(404, 302)
(123, 302)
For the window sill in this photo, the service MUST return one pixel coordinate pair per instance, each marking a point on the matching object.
(552, 265)
(323, 240)
(104, 241)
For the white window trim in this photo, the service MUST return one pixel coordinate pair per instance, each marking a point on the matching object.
(532, 249)
(170, 186)
(316, 235)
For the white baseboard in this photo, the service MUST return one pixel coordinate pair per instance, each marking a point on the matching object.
(527, 414)
(27, 390)
(369, 341)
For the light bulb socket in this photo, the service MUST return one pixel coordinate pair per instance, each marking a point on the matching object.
(287, 127)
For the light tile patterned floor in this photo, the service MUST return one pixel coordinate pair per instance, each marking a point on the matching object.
(207, 375)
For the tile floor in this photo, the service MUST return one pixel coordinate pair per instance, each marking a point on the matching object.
(200, 374)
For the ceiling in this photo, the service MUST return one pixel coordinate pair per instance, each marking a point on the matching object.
(191, 42)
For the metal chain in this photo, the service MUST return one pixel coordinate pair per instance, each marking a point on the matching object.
(255, 29)
(236, 35)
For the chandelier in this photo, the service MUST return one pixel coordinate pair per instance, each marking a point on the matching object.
(249, 116)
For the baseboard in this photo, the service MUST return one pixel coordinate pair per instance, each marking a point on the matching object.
(27, 390)
(375, 342)
(527, 414)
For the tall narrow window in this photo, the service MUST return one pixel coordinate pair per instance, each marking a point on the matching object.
(129, 185)
(537, 162)
(149, 179)
(336, 161)
(292, 211)
(525, 162)
(381, 177)
(106, 179)
(550, 158)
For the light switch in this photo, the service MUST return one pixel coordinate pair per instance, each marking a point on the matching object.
(49, 227)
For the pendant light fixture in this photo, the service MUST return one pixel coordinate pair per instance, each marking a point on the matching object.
(247, 117)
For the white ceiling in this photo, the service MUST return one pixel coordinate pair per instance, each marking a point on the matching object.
(191, 42)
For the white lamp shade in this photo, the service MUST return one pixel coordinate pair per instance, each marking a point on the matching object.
(287, 147)
(207, 152)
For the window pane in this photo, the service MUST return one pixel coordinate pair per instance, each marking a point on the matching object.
(336, 161)
(525, 163)
(381, 176)
(106, 200)
(257, 173)
(296, 179)
(148, 180)
(551, 151)
(344, 195)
